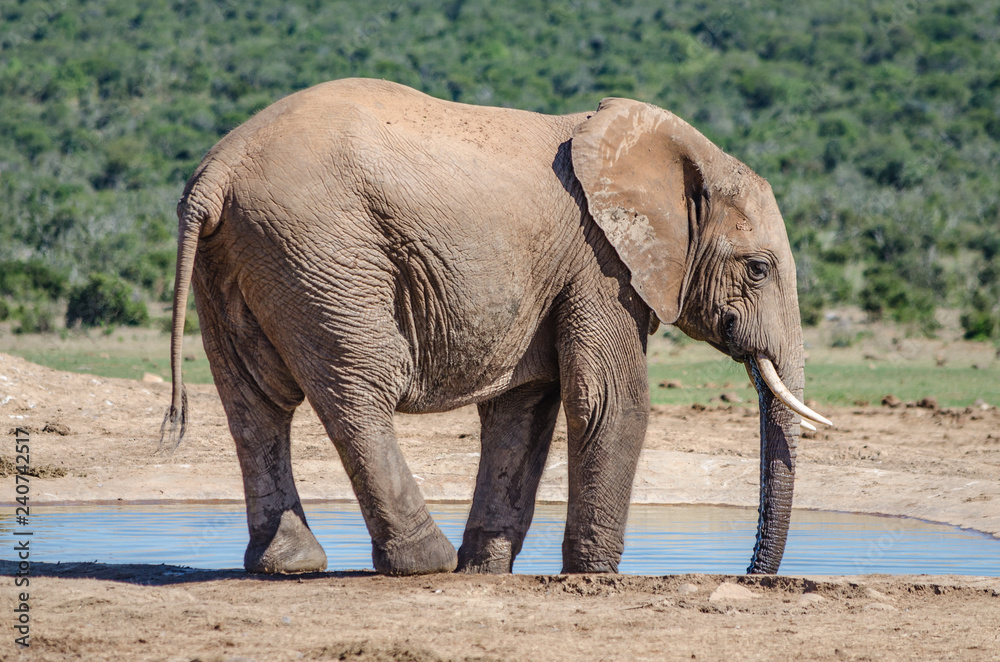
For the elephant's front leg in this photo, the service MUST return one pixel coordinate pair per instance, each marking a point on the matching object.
(606, 399)
(516, 432)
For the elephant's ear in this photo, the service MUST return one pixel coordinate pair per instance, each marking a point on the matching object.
(641, 169)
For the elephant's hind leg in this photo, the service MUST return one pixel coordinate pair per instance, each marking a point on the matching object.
(516, 432)
(405, 539)
(260, 422)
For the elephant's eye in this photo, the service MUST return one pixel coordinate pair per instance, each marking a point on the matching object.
(758, 269)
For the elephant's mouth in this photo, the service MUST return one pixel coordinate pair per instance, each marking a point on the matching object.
(729, 345)
(761, 371)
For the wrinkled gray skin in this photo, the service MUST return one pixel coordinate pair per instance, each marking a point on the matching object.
(375, 250)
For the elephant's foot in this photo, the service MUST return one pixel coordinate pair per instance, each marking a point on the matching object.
(589, 558)
(484, 553)
(585, 567)
(427, 552)
(292, 549)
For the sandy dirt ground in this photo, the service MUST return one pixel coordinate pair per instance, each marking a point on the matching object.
(95, 440)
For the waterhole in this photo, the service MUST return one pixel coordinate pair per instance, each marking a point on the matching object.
(659, 540)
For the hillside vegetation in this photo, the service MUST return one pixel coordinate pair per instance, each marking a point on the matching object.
(877, 123)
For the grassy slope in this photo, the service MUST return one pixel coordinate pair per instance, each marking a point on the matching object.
(864, 372)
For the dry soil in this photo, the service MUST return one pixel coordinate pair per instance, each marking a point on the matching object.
(95, 440)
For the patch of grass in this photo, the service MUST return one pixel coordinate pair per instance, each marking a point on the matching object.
(840, 384)
(843, 384)
(700, 381)
(124, 353)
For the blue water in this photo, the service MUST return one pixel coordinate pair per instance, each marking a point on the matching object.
(659, 540)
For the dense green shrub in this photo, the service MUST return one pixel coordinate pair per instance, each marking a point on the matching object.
(192, 324)
(886, 294)
(105, 300)
(38, 317)
(862, 116)
(980, 324)
(31, 279)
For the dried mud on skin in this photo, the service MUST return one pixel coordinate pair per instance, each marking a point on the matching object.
(101, 445)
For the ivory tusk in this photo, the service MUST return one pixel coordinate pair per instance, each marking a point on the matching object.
(770, 377)
(807, 425)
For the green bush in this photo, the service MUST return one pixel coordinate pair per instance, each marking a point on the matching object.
(36, 318)
(887, 294)
(811, 307)
(980, 324)
(981, 318)
(191, 323)
(105, 300)
(31, 279)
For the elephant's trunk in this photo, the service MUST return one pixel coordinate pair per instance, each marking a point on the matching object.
(779, 440)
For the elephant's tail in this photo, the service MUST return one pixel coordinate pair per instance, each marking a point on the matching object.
(198, 212)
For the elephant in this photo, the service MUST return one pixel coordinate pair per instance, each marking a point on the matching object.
(377, 250)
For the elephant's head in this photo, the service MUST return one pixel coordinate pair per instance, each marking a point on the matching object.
(706, 246)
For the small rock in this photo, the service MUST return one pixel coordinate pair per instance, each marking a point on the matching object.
(929, 402)
(982, 405)
(150, 377)
(56, 428)
(671, 383)
(891, 401)
(879, 606)
(809, 599)
(687, 588)
(730, 397)
(729, 592)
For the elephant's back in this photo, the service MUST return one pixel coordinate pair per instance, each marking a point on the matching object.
(353, 112)
(365, 144)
